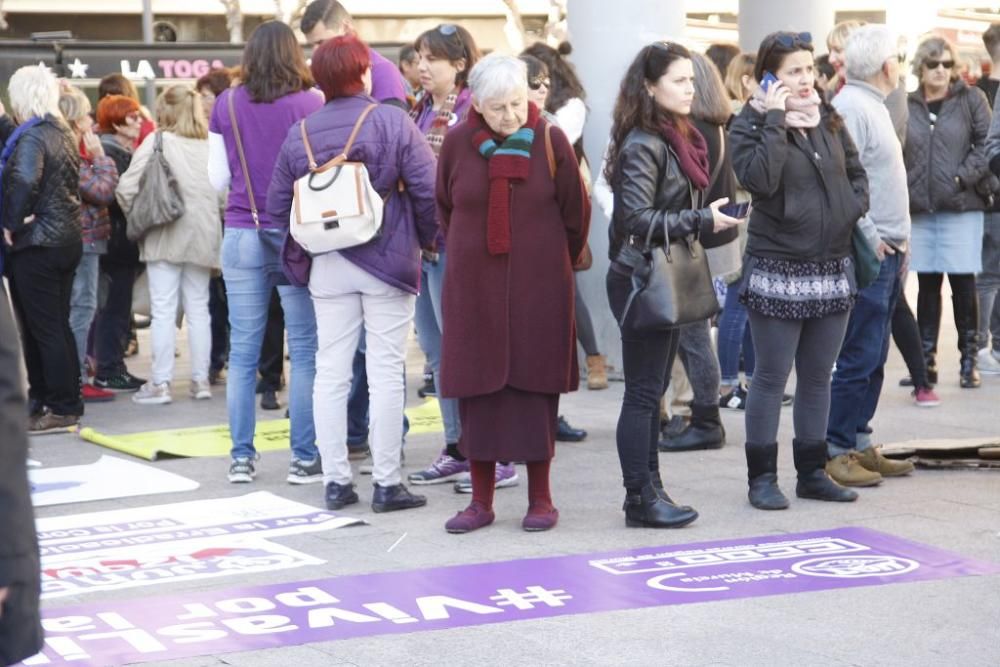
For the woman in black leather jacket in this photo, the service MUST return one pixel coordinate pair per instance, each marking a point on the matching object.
(656, 161)
(793, 154)
(40, 217)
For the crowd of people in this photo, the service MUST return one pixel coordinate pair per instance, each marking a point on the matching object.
(484, 219)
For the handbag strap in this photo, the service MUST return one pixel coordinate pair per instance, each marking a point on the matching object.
(243, 157)
(549, 153)
(347, 148)
(722, 158)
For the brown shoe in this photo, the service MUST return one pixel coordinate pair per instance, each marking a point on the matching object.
(48, 422)
(848, 471)
(872, 459)
(597, 372)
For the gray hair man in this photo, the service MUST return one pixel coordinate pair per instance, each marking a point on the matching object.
(872, 73)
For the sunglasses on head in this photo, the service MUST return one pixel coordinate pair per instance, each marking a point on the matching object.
(934, 64)
(791, 40)
(447, 29)
(537, 83)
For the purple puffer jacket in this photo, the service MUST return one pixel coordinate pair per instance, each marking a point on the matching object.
(394, 150)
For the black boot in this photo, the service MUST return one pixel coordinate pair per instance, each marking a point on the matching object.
(965, 303)
(704, 432)
(929, 323)
(810, 462)
(644, 508)
(762, 471)
(657, 482)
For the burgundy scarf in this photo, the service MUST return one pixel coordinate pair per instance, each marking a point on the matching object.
(691, 150)
(509, 160)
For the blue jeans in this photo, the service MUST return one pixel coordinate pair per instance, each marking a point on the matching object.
(357, 400)
(857, 379)
(250, 274)
(734, 337)
(428, 321)
(83, 302)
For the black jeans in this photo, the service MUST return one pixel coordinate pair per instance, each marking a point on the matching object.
(218, 310)
(41, 283)
(646, 359)
(906, 335)
(272, 347)
(113, 320)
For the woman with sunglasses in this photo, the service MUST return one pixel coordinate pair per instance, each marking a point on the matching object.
(945, 162)
(447, 54)
(793, 154)
(656, 160)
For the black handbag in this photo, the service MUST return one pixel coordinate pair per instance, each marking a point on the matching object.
(671, 284)
(867, 265)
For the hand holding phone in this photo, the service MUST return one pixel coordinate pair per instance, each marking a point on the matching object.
(766, 82)
(720, 219)
(736, 210)
(775, 92)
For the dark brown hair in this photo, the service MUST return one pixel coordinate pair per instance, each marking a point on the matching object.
(565, 84)
(451, 42)
(328, 12)
(273, 63)
(217, 80)
(721, 55)
(116, 84)
(771, 55)
(635, 107)
(991, 40)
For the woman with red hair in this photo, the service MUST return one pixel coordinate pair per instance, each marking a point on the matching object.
(370, 287)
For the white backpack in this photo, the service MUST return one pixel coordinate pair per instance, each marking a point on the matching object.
(334, 206)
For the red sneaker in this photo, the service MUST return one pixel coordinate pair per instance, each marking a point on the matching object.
(92, 394)
(925, 397)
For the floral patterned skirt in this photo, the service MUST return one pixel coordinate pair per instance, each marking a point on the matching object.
(797, 290)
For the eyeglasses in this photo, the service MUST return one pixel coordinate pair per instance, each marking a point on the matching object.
(535, 84)
(934, 64)
(791, 40)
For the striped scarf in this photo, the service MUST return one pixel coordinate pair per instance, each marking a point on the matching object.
(443, 118)
(508, 161)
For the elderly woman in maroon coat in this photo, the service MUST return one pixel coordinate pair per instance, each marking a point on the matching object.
(512, 205)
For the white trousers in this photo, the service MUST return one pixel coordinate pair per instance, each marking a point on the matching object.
(347, 298)
(168, 284)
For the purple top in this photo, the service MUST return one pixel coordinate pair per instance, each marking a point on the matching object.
(387, 82)
(393, 150)
(263, 126)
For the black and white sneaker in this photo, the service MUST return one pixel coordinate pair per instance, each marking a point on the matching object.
(241, 470)
(305, 472)
(121, 383)
(734, 400)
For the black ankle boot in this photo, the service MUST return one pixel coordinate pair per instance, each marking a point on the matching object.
(965, 302)
(762, 471)
(657, 482)
(929, 323)
(814, 483)
(704, 432)
(646, 509)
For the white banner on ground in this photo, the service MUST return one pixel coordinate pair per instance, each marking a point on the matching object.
(108, 478)
(255, 515)
(163, 563)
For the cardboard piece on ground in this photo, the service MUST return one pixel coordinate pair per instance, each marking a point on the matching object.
(108, 478)
(968, 453)
(271, 435)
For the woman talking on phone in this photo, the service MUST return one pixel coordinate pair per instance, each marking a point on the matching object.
(792, 153)
(656, 161)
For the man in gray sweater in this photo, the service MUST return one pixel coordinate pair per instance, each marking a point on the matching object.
(872, 74)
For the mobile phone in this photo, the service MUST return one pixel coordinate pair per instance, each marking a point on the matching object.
(766, 82)
(738, 211)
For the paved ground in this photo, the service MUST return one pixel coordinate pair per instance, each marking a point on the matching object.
(947, 622)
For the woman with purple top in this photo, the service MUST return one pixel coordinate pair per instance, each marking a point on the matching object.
(275, 94)
(370, 287)
(447, 53)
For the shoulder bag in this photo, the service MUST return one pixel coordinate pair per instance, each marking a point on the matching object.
(158, 201)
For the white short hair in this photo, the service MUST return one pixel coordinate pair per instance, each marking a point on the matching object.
(867, 49)
(497, 76)
(33, 92)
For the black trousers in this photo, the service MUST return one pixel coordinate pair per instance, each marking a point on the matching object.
(218, 310)
(112, 323)
(646, 359)
(272, 348)
(41, 284)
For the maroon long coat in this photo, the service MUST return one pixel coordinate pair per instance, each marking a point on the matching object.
(509, 319)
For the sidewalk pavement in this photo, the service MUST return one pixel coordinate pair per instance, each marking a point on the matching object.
(944, 622)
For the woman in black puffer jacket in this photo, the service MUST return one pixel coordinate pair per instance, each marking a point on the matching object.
(40, 216)
(945, 165)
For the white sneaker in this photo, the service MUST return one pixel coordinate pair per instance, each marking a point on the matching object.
(987, 362)
(153, 394)
(200, 390)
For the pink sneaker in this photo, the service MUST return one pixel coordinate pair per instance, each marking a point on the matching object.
(925, 397)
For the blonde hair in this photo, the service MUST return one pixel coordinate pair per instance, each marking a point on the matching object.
(33, 92)
(74, 105)
(837, 39)
(179, 110)
(739, 67)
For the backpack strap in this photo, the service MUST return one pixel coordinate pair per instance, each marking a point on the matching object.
(549, 153)
(347, 148)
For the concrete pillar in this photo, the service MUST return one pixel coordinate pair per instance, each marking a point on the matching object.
(759, 18)
(605, 40)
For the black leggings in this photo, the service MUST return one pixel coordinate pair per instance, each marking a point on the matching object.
(906, 335)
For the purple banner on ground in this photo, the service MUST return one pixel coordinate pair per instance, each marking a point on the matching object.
(248, 618)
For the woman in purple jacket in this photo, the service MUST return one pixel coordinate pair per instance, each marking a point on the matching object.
(370, 287)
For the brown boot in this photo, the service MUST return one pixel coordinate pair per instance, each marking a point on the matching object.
(597, 373)
(847, 471)
(872, 459)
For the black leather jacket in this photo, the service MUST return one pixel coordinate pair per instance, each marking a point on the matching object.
(808, 191)
(652, 190)
(42, 178)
